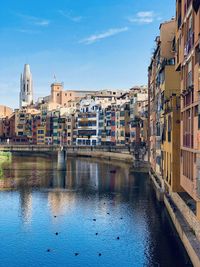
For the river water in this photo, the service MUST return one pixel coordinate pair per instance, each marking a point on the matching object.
(96, 214)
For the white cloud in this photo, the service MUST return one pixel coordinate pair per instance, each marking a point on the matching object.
(144, 17)
(96, 37)
(28, 31)
(34, 20)
(42, 22)
(69, 16)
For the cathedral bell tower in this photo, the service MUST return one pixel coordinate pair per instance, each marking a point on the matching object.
(26, 87)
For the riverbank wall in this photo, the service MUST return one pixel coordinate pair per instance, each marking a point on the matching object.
(183, 218)
(111, 153)
(102, 154)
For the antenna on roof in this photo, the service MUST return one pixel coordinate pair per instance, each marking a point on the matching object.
(54, 77)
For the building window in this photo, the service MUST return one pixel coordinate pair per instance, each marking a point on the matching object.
(94, 142)
(87, 142)
(169, 128)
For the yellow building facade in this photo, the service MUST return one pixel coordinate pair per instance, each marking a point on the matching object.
(171, 145)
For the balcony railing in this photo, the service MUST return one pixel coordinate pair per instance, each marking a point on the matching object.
(86, 115)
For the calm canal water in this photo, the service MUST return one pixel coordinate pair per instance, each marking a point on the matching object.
(48, 216)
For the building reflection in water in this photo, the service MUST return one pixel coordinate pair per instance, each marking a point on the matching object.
(26, 205)
(85, 175)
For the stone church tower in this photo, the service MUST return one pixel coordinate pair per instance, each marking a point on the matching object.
(26, 88)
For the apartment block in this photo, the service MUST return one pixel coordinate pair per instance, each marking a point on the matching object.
(188, 63)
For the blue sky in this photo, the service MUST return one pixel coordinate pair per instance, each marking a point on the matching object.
(87, 44)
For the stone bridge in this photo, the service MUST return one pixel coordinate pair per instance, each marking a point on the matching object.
(136, 155)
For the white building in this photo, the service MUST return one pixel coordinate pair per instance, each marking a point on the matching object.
(88, 123)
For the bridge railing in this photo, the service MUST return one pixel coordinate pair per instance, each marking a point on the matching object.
(114, 149)
(25, 147)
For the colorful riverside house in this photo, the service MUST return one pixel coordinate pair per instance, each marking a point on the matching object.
(106, 133)
(171, 144)
(55, 127)
(38, 130)
(164, 81)
(88, 122)
(122, 124)
(36, 122)
(20, 123)
(87, 133)
(144, 121)
(117, 125)
(113, 126)
(169, 82)
(70, 124)
(152, 111)
(138, 116)
(62, 130)
(101, 131)
(134, 122)
(188, 62)
(23, 124)
(41, 134)
(7, 127)
(49, 129)
(107, 126)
